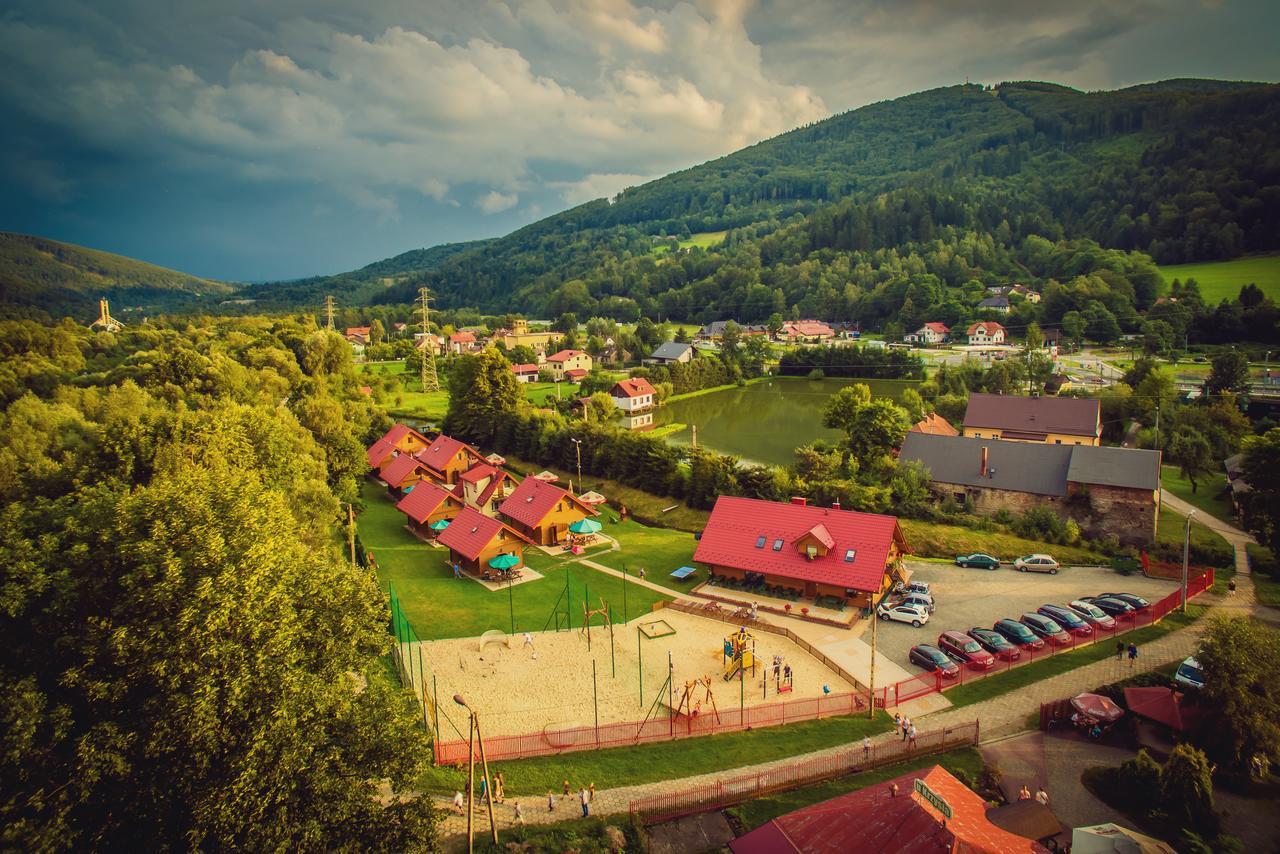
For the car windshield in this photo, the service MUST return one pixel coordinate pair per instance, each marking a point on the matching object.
(1091, 610)
(1021, 631)
(971, 646)
(1190, 671)
(937, 655)
(1050, 626)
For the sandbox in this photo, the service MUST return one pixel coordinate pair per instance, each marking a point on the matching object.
(518, 693)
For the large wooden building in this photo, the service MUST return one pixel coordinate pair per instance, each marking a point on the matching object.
(474, 539)
(427, 503)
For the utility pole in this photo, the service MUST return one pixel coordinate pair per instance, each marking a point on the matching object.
(328, 311)
(577, 447)
(874, 619)
(430, 382)
(351, 533)
(1157, 425)
(1186, 547)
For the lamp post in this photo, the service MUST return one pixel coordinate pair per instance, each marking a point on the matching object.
(577, 447)
(1186, 547)
(473, 736)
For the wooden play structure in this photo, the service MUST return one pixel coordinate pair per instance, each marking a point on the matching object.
(687, 706)
(588, 612)
(739, 653)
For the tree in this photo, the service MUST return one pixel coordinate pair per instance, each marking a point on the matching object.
(1186, 791)
(522, 354)
(841, 409)
(377, 332)
(1100, 323)
(1228, 372)
(598, 408)
(1191, 452)
(755, 353)
(774, 324)
(566, 323)
(1073, 323)
(1157, 337)
(1261, 467)
(1240, 659)
(730, 341)
(914, 405)
(493, 396)
(879, 428)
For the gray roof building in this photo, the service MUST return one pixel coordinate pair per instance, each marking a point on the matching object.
(672, 351)
(1132, 468)
(1031, 418)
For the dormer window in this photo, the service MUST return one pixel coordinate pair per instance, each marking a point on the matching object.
(849, 555)
(760, 541)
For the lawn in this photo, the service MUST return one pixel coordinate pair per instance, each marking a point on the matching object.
(754, 813)
(657, 550)
(1209, 497)
(932, 539)
(648, 763)
(539, 393)
(1220, 280)
(1171, 529)
(704, 239)
(1020, 677)
(409, 401)
(1266, 575)
(440, 606)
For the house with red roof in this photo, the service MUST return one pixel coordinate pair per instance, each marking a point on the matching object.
(543, 511)
(569, 360)
(463, 342)
(400, 439)
(814, 551)
(985, 332)
(633, 395)
(930, 333)
(484, 487)
(806, 332)
(474, 539)
(402, 473)
(526, 372)
(357, 334)
(448, 458)
(426, 503)
(924, 810)
(935, 425)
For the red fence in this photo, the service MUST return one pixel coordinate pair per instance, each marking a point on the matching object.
(552, 741)
(733, 790)
(928, 683)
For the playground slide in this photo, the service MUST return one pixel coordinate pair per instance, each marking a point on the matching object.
(747, 659)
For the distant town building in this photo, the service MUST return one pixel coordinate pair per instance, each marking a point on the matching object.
(935, 425)
(669, 353)
(714, 331)
(526, 372)
(569, 360)
(930, 333)
(806, 332)
(633, 395)
(1047, 420)
(1000, 304)
(519, 335)
(985, 332)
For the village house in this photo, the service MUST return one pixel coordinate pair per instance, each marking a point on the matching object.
(400, 439)
(714, 331)
(463, 342)
(1106, 490)
(670, 353)
(814, 551)
(474, 539)
(519, 335)
(633, 395)
(402, 473)
(543, 511)
(1000, 304)
(806, 332)
(563, 362)
(484, 487)
(1046, 420)
(426, 504)
(935, 425)
(399, 326)
(525, 373)
(357, 334)
(447, 458)
(1016, 288)
(430, 341)
(930, 333)
(985, 332)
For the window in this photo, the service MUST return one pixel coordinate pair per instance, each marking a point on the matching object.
(849, 555)
(777, 545)
(1057, 441)
(760, 541)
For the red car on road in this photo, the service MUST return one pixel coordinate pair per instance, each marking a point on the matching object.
(966, 650)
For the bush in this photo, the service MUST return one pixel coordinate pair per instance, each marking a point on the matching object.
(817, 374)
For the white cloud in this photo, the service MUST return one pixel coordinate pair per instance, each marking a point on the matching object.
(597, 186)
(494, 202)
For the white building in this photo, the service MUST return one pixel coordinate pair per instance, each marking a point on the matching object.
(633, 395)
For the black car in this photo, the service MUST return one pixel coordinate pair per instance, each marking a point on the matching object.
(931, 658)
(995, 643)
(1137, 603)
(1017, 634)
(1110, 606)
(1068, 619)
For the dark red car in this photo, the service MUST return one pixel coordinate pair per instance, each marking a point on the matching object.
(1046, 628)
(966, 650)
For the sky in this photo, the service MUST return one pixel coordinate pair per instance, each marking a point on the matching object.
(248, 140)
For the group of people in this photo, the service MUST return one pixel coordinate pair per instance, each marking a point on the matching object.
(903, 724)
(584, 797)
(1042, 797)
(1132, 650)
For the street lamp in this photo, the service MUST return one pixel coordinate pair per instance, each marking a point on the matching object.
(1186, 547)
(577, 447)
(473, 735)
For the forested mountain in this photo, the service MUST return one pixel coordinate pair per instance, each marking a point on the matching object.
(942, 192)
(39, 275)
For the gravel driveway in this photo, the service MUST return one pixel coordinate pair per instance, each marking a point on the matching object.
(965, 598)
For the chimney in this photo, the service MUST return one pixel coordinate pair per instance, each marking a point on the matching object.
(984, 461)
(799, 501)
(835, 505)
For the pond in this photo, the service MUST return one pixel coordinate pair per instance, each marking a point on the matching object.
(764, 422)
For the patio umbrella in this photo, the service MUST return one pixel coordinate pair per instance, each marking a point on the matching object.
(585, 526)
(1097, 707)
(591, 498)
(439, 524)
(504, 561)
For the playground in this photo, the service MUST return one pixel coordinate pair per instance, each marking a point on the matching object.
(556, 682)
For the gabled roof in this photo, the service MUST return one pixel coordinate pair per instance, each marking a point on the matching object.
(576, 372)
(525, 368)
(471, 531)
(477, 473)
(438, 454)
(988, 327)
(462, 338)
(362, 331)
(424, 499)
(1014, 466)
(873, 819)
(379, 451)
(534, 499)
(1067, 415)
(994, 302)
(808, 327)
(671, 350)
(399, 470)
(935, 425)
(494, 485)
(1164, 706)
(738, 524)
(820, 533)
(634, 387)
(935, 326)
(565, 355)
(1133, 468)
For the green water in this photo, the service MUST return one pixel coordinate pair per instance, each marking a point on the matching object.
(765, 422)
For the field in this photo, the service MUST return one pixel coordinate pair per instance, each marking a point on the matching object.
(1221, 280)
(704, 239)
(1209, 497)
(933, 539)
(409, 400)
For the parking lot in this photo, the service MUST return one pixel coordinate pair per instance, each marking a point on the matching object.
(965, 598)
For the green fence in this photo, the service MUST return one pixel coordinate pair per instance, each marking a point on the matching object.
(409, 656)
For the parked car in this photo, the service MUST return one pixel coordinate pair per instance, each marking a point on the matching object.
(920, 600)
(978, 560)
(1111, 607)
(933, 659)
(1189, 674)
(966, 650)
(1036, 563)
(1046, 628)
(1068, 619)
(1135, 602)
(1091, 613)
(1017, 634)
(912, 614)
(995, 643)
(913, 587)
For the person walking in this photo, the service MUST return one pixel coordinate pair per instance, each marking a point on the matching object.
(1231, 587)
(1119, 650)
(457, 570)
(457, 802)
(906, 725)
(1133, 654)
(866, 747)
(551, 801)
(897, 720)
(484, 786)
(528, 640)
(499, 788)
(911, 737)
(519, 813)
(586, 803)
(591, 791)
(1042, 797)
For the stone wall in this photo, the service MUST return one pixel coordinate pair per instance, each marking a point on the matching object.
(1129, 514)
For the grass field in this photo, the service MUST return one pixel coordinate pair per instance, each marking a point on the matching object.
(1221, 280)
(657, 550)
(932, 539)
(409, 401)
(1170, 529)
(704, 239)
(441, 606)
(1266, 575)
(1209, 497)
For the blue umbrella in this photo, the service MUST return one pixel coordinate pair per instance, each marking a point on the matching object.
(585, 526)
(505, 561)
(439, 524)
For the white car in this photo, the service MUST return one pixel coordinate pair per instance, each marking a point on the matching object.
(913, 614)
(1036, 563)
(1189, 674)
(919, 600)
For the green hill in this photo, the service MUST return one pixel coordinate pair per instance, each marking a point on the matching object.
(39, 275)
(1221, 280)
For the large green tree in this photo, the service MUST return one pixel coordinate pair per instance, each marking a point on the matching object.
(1240, 659)
(1228, 372)
(1262, 473)
(493, 394)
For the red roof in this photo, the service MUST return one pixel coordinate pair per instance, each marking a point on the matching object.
(576, 372)
(565, 355)
(493, 487)
(423, 500)
(462, 338)
(398, 432)
(809, 328)
(525, 368)
(533, 500)
(362, 331)
(637, 387)
(880, 822)
(399, 470)
(738, 524)
(940, 328)
(990, 327)
(438, 454)
(1164, 706)
(935, 425)
(379, 451)
(470, 531)
(477, 473)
